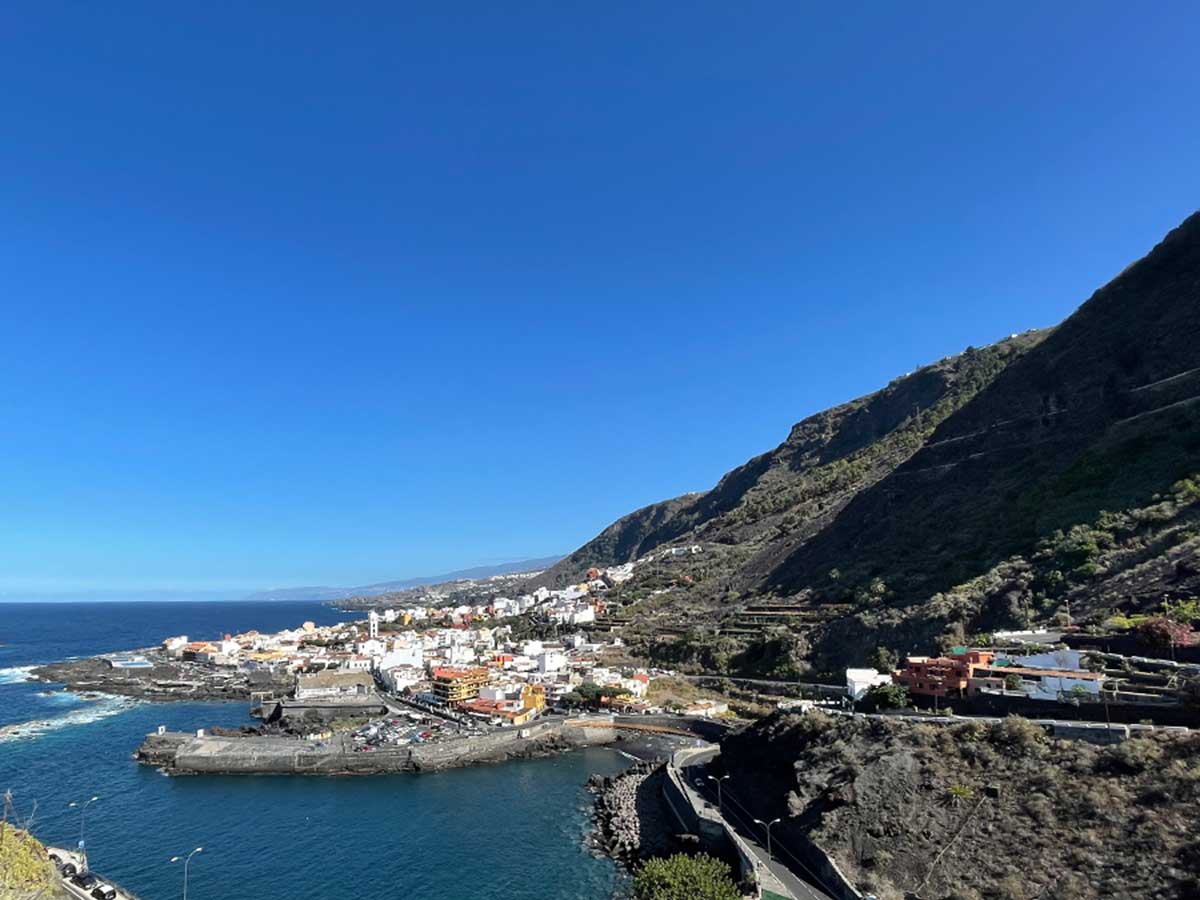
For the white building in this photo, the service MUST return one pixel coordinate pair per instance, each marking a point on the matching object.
(333, 685)
(402, 655)
(859, 681)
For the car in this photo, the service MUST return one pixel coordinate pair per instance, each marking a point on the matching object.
(86, 880)
(698, 782)
(57, 860)
(104, 892)
(68, 869)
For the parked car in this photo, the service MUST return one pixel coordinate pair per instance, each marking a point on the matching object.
(104, 892)
(86, 881)
(68, 869)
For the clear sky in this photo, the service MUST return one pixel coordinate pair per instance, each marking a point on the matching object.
(338, 293)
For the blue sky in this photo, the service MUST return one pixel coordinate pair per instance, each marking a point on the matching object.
(301, 293)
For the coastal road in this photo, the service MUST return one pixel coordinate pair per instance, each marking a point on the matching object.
(791, 872)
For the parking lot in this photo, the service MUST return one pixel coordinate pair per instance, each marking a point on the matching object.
(411, 727)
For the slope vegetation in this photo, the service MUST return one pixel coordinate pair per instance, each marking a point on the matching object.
(977, 811)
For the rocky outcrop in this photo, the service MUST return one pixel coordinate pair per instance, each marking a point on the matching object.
(968, 811)
(632, 822)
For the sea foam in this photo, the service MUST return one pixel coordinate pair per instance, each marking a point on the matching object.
(15, 674)
(102, 708)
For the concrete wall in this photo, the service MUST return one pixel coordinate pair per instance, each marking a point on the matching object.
(714, 834)
(262, 755)
(697, 816)
(1092, 732)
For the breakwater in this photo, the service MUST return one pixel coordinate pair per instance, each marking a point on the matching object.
(186, 753)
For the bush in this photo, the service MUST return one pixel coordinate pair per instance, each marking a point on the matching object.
(884, 696)
(1162, 632)
(24, 866)
(1131, 757)
(682, 877)
(1018, 734)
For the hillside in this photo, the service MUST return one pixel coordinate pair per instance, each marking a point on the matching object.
(25, 869)
(1101, 415)
(870, 511)
(791, 492)
(977, 811)
(384, 588)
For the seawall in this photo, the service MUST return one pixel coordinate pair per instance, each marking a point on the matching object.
(180, 753)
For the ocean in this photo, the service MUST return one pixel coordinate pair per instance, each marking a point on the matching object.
(515, 830)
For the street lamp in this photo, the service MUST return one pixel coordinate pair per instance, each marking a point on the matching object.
(82, 810)
(186, 863)
(718, 781)
(767, 825)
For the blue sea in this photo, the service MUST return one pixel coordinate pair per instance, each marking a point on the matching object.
(513, 831)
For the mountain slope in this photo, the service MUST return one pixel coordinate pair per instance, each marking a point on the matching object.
(880, 504)
(1101, 415)
(788, 494)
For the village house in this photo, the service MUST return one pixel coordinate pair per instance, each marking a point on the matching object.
(332, 684)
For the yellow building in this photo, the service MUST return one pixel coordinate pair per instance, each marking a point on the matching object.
(533, 696)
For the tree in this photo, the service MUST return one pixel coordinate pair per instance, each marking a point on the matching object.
(589, 691)
(884, 696)
(1163, 632)
(885, 660)
(1013, 682)
(1182, 611)
(682, 877)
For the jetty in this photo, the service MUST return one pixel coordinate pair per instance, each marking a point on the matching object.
(199, 753)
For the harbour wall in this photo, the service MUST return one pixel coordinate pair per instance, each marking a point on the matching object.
(210, 754)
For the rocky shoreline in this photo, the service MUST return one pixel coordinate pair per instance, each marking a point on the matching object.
(164, 680)
(632, 820)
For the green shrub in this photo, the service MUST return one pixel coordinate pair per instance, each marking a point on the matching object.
(682, 877)
(24, 866)
(1131, 757)
(884, 696)
(1018, 735)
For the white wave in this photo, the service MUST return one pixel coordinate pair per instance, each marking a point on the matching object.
(103, 708)
(15, 674)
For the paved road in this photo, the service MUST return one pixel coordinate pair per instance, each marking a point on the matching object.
(802, 884)
(834, 688)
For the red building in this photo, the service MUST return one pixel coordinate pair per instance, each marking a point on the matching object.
(941, 676)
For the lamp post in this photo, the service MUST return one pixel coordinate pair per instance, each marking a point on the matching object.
(186, 862)
(767, 825)
(82, 817)
(718, 781)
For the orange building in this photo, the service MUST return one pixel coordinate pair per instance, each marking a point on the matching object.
(941, 676)
(453, 684)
